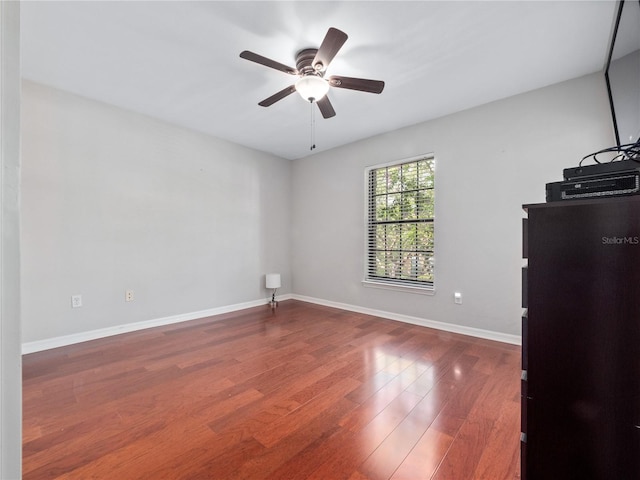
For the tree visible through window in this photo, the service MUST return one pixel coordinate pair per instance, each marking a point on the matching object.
(401, 223)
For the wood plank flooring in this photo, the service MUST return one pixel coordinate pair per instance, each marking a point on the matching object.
(307, 392)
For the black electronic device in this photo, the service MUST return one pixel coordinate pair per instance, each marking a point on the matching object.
(599, 169)
(599, 186)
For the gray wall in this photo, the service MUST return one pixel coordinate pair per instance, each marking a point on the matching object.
(489, 161)
(113, 200)
(10, 360)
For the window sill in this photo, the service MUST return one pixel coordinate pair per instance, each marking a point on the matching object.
(399, 288)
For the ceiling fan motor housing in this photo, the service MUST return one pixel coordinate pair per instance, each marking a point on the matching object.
(304, 60)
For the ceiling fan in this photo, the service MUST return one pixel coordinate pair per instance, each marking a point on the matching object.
(311, 64)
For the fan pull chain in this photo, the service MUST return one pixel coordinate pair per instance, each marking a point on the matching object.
(313, 126)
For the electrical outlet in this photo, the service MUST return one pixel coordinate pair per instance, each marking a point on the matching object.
(128, 296)
(457, 298)
(76, 301)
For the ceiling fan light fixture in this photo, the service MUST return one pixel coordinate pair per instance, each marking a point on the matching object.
(312, 88)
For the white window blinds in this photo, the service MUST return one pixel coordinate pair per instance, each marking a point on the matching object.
(400, 240)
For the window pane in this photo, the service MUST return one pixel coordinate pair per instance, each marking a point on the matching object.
(424, 235)
(393, 179)
(425, 203)
(381, 237)
(393, 237)
(409, 237)
(425, 174)
(410, 266)
(409, 176)
(409, 210)
(381, 264)
(394, 265)
(426, 267)
(381, 208)
(380, 180)
(394, 206)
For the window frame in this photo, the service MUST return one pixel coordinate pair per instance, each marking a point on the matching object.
(424, 288)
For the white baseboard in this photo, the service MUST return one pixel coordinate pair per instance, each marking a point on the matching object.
(49, 343)
(40, 345)
(447, 327)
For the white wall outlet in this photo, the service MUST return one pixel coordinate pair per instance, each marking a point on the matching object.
(76, 301)
(128, 296)
(457, 298)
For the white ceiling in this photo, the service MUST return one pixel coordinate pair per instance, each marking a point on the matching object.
(179, 61)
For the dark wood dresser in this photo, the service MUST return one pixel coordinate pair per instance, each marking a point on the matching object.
(581, 340)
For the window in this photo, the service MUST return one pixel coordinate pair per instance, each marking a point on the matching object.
(400, 241)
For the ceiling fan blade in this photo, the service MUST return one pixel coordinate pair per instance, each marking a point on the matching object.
(267, 62)
(333, 41)
(278, 96)
(361, 84)
(325, 107)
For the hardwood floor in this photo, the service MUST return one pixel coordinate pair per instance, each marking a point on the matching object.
(309, 392)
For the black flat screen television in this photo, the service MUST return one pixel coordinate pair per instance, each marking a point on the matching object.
(622, 73)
